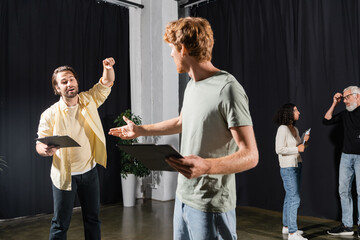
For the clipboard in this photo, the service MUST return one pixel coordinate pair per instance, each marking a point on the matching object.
(152, 155)
(303, 135)
(61, 141)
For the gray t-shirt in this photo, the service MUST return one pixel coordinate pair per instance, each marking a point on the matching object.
(210, 108)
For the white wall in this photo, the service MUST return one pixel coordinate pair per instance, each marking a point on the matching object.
(154, 80)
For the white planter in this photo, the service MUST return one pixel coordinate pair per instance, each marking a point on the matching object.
(128, 190)
(163, 185)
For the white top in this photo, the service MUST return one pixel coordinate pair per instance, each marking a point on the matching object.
(286, 147)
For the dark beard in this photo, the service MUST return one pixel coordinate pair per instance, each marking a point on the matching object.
(71, 95)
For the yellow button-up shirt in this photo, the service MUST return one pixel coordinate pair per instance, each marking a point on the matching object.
(52, 122)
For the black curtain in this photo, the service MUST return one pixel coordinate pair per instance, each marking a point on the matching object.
(289, 51)
(36, 37)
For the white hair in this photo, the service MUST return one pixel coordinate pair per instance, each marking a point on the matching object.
(353, 89)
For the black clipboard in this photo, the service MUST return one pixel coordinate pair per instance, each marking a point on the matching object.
(61, 141)
(152, 155)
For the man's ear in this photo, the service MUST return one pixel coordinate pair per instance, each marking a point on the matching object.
(183, 50)
(57, 90)
(357, 97)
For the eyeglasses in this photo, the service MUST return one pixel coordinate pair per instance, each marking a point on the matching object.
(348, 96)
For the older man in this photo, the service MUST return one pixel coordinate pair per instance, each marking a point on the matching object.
(350, 157)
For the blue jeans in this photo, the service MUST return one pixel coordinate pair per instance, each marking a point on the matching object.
(349, 167)
(192, 224)
(87, 187)
(291, 177)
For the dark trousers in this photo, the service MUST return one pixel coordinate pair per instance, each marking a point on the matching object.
(87, 187)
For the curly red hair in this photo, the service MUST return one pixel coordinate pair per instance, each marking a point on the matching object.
(194, 33)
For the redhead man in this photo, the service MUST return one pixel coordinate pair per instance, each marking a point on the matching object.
(217, 136)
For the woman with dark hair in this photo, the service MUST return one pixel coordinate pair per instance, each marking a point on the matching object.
(288, 147)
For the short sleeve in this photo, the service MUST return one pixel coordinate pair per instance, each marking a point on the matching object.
(234, 105)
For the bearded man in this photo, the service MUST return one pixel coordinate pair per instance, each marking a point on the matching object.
(73, 170)
(350, 157)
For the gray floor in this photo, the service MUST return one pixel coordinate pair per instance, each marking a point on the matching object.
(151, 219)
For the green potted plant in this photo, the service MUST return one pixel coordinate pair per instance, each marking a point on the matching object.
(130, 167)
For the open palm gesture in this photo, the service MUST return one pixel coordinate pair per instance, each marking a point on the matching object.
(129, 131)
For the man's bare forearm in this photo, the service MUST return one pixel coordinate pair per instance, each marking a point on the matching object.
(167, 127)
(330, 112)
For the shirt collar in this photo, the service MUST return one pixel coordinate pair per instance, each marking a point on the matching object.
(63, 106)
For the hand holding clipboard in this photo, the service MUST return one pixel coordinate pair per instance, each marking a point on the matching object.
(307, 132)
